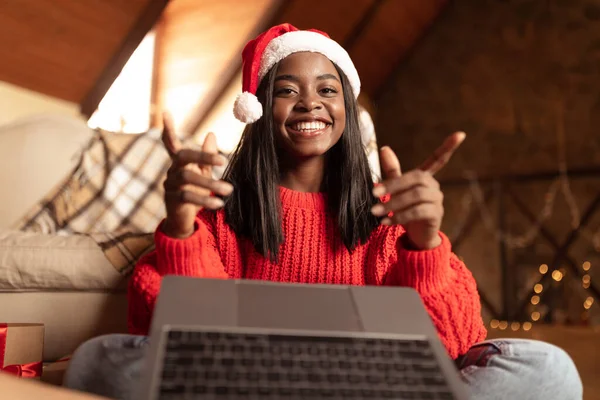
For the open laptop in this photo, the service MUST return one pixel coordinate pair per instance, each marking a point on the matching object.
(244, 339)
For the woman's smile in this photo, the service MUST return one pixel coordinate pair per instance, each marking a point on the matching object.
(308, 127)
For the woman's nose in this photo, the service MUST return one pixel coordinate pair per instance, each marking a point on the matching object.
(308, 103)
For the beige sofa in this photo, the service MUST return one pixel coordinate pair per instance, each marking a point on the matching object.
(64, 282)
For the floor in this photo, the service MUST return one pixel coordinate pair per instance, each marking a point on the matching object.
(582, 344)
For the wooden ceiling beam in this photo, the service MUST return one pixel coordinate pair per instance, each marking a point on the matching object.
(397, 65)
(360, 27)
(113, 68)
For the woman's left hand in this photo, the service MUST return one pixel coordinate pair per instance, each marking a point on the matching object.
(416, 201)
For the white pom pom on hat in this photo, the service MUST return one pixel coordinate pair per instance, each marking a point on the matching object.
(272, 46)
(247, 108)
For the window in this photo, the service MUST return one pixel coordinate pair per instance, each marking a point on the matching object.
(126, 107)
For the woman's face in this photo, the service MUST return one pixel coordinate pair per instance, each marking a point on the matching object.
(308, 105)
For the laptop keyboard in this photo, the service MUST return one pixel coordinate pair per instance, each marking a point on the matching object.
(217, 365)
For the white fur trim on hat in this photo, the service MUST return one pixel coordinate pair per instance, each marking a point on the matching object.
(298, 41)
(247, 108)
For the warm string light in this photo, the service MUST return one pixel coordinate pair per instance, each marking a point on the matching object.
(515, 325)
(586, 280)
(562, 184)
(557, 275)
(538, 288)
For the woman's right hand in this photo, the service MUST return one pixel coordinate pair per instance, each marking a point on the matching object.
(189, 186)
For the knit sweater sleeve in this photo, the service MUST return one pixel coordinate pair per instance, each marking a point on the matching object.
(196, 256)
(446, 286)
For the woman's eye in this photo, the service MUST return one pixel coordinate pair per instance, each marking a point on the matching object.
(284, 91)
(328, 91)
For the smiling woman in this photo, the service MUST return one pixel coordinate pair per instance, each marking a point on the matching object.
(297, 204)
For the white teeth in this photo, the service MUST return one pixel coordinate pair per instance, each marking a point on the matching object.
(309, 126)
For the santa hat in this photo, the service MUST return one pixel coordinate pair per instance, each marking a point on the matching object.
(274, 45)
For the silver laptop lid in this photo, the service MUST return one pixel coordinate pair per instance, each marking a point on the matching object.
(193, 301)
(185, 301)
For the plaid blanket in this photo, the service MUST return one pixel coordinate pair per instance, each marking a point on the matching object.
(115, 193)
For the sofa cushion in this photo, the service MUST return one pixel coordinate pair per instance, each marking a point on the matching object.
(114, 195)
(36, 153)
(30, 261)
(69, 317)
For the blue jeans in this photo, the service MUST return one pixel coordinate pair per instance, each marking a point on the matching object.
(497, 369)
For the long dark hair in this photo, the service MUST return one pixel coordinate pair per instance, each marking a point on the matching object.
(254, 208)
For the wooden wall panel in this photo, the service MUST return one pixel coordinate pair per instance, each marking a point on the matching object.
(395, 28)
(60, 47)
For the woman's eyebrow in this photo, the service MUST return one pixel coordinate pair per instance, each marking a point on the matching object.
(294, 78)
(327, 76)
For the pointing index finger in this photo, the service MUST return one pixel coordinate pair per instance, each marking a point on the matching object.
(442, 154)
(390, 164)
(169, 138)
(189, 156)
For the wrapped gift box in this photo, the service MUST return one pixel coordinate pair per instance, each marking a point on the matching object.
(21, 349)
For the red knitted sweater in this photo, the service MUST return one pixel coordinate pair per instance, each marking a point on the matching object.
(314, 253)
